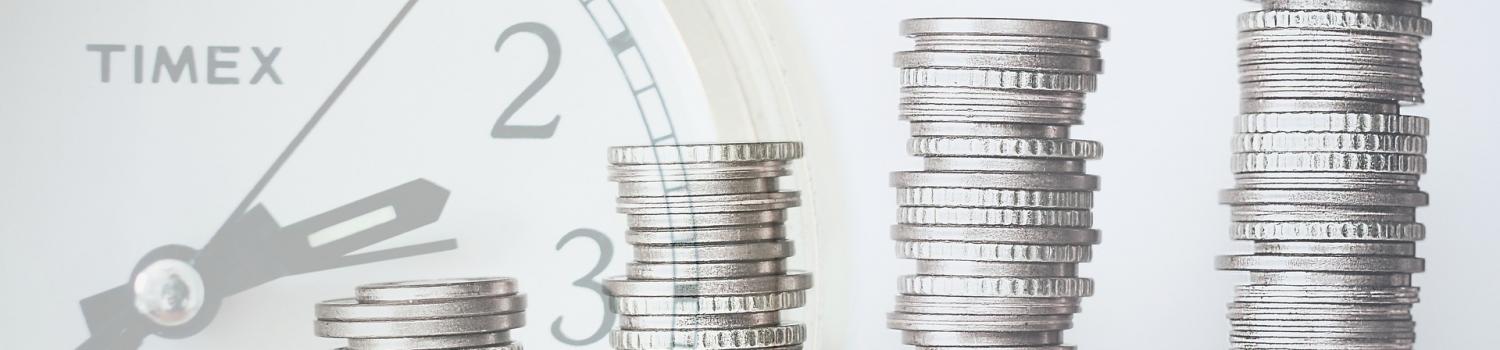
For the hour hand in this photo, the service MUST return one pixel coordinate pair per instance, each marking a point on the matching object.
(264, 250)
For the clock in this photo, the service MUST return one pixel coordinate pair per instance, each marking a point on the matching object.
(196, 175)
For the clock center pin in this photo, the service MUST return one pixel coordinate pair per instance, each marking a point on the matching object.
(169, 292)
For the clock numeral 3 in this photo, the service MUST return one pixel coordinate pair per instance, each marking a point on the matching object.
(503, 130)
(590, 281)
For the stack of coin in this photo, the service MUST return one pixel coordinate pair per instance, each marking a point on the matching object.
(469, 314)
(707, 226)
(1326, 170)
(1000, 217)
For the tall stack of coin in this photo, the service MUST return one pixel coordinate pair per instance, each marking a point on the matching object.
(707, 226)
(1326, 169)
(1000, 217)
(469, 314)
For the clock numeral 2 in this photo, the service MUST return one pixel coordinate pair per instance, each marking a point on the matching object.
(590, 281)
(503, 130)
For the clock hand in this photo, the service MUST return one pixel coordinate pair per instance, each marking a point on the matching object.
(113, 325)
(256, 250)
(317, 116)
(235, 261)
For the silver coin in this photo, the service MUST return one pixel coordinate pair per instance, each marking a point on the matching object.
(1303, 311)
(1292, 37)
(1043, 116)
(706, 153)
(925, 110)
(1343, 70)
(1006, 43)
(1336, 20)
(457, 288)
(1055, 182)
(697, 188)
(709, 305)
(697, 171)
(995, 269)
(1330, 142)
(1020, 165)
(923, 304)
(1314, 335)
(980, 339)
(976, 234)
(992, 198)
(511, 346)
(994, 216)
(638, 270)
(999, 79)
(988, 130)
(1377, 75)
(1327, 181)
(1328, 231)
(1004, 26)
(1320, 212)
(960, 95)
(1329, 162)
(1355, 198)
(986, 60)
(993, 252)
(1321, 263)
(1301, 278)
(978, 323)
(1010, 287)
(685, 254)
(707, 234)
(709, 287)
(1408, 8)
(1332, 122)
(1325, 294)
(708, 204)
(745, 338)
(940, 146)
(1040, 347)
(1311, 104)
(419, 328)
(1372, 326)
(1410, 94)
(1330, 54)
(690, 323)
(352, 310)
(1403, 249)
(685, 220)
(464, 341)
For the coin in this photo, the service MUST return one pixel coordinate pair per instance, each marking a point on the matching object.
(999, 217)
(351, 309)
(444, 314)
(710, 247)
(407, 291)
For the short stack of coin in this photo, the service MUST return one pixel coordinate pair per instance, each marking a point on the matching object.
(707, 226)
(1326, 169)
(468, 314)
(1000, 217)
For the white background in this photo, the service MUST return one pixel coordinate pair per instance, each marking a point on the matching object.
(1163, 113)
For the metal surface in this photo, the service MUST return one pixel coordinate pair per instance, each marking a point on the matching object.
(999, 219)
(1326, 175)
(467, 313)
(706, 223)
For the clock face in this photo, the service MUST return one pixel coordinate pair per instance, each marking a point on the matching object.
(252, 158)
